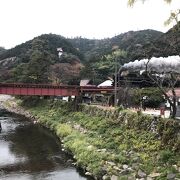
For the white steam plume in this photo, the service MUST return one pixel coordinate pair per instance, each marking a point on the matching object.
(159, 65)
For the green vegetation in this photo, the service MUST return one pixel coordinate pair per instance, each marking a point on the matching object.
(103, 67)
(166, 45)
(153, 95)
(130, 42)
(114, 142)
(2, 50)
(35, 60)
(23, 62)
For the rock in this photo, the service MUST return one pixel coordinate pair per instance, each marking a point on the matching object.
(90, 147)
(126, 121)
(124, 172)
(103, 150)
(131, 152)
(130, 169)
(88, 174)
(135, 159)
(116, 168)
(125, 166)
(1, 173)
(113, 177)
(141, 174)
(131, 178)
(135, 166)
(171, 176)
(177, 168)
(149, 178)
(153, 175)
(70, 161)
(106, 177)
(111, 163)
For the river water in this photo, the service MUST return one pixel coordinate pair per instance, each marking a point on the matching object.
(31, 152)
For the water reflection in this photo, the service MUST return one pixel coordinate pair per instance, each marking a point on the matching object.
(28, 151)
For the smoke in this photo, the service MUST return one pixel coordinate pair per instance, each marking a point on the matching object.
(159, 65)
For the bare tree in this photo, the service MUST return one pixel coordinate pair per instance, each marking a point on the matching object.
(165, 81)
(164, 72)
(62, 73)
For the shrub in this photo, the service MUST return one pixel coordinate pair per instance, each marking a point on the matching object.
(166, 156)
(63, 130)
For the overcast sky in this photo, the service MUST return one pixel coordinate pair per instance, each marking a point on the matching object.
(21, 20)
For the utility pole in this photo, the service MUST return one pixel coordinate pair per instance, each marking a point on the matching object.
(115, 84)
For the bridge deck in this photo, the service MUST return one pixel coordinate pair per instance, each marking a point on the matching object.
(50, 90)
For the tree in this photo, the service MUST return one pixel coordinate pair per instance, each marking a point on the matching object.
(165, 81)
(174, 15)
(64, 73)
(104, 66)
(131, 2)
(169, 78)
(38, 67)
(36, 70)
(66, 70)
(2, 49)
(163, 72)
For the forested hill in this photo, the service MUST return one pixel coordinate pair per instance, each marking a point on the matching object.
(167, 44)
(2, 50)
(37, 61)
(130, 42)
(49, 42)
(100, 55)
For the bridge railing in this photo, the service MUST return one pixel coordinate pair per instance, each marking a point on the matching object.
(29, 85)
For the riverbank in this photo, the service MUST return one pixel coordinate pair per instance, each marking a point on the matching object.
(30, 151)
(11, 104)
(112, 144)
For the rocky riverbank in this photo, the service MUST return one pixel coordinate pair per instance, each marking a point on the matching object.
(111, 144)
(10, 104)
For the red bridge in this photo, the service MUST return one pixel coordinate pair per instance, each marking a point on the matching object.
(50, 90)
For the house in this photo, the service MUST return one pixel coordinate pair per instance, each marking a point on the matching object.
(106, 83)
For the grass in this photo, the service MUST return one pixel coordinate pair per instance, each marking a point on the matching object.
(106, 140)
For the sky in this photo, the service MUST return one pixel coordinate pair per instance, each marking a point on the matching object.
(22, 20)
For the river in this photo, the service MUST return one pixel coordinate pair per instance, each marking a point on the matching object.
(31, 152)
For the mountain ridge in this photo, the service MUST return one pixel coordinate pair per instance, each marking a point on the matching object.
(97, 56)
